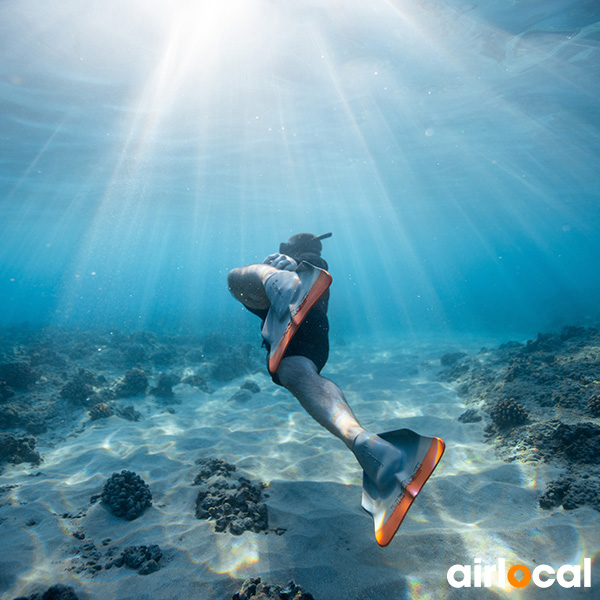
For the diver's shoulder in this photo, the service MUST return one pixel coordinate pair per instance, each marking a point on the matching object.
(314, 259)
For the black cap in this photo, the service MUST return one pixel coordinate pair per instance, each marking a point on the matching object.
(303, 243)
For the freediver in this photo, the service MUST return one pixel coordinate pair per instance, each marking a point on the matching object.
(289, 291)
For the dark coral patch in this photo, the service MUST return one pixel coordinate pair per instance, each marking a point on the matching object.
(233, 502)
(18, 449)
(17, 375)
(144, 559)
(56, 592)
(100, 411)
(508, 413)
(253, 588)
(135, 383)
(127, 495)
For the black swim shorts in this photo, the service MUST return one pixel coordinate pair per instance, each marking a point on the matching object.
(310, 340)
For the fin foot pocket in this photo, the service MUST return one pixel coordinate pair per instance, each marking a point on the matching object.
(388, 497)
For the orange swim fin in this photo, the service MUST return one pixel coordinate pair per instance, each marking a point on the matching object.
(396, 464)
(292, 295)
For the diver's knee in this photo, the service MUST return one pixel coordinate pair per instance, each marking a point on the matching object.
(294, 369)
(234, 282)
(232, 278)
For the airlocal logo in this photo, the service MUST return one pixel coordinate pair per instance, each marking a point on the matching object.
(519, 576)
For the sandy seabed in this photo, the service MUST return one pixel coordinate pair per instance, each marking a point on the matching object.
(476, 505)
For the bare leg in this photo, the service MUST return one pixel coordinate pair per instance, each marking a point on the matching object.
(321, 398)
(247, 284)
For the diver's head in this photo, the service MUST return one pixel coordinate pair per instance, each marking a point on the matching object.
(303, 243)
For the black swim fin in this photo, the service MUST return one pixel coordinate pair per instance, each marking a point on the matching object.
(396, 464)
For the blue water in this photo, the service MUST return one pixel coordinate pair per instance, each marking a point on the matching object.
(451, 147)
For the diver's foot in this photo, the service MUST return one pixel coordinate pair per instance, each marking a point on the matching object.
(283, 290)
(379, 459)
(396, 464)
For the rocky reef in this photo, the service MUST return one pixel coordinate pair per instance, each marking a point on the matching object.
(572, 490)
(51, 378)
(541, 403)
